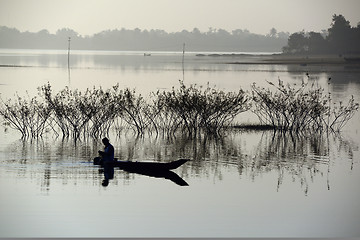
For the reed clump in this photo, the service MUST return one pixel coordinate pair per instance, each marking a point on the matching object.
(27, 115)
(188, 109)
(193, 108)
(307, 107)
(72, 113)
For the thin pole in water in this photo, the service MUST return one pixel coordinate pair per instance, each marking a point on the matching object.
(69, 59)
(69, 52)
(183, 60)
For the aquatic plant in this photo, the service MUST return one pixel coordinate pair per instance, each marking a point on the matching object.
(188, 109)
(294, 108)
(95, 111)
(134, 110)
(28, 116)
(75, 113)
(339, 114)
(71, 109)
(208, 109)
(104, 110)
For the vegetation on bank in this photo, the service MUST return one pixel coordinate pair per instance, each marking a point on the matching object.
(340, 39)
(146, 40)
(188, 109)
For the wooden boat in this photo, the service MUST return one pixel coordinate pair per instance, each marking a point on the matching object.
(151, 169)
(158, 166)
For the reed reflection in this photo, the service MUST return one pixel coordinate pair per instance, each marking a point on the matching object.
(302, 158)
(47, 161)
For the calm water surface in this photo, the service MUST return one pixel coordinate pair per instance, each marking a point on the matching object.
(244, 184)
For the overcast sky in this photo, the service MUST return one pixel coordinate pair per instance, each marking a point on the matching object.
(258, 16)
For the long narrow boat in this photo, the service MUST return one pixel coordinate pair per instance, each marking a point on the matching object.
(146, 166)
(151, 169)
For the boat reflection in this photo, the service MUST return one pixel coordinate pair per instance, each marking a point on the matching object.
(151, 169)
(170, 175)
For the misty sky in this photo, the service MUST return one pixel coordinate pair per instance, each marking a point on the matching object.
(258, 16)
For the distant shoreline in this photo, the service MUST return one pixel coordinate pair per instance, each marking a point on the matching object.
(353, 59)
(349, 61)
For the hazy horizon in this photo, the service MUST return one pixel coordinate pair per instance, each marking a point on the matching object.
(91, 16)
(245, 31)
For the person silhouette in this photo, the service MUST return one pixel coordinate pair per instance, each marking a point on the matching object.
(107, 157)
(108, 154)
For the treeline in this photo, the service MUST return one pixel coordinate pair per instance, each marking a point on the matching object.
(340, 38)
(146, 40)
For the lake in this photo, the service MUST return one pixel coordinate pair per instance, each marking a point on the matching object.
(245, 183)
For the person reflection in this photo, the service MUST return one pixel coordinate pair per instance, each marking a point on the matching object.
(107, 158)
(108, 174)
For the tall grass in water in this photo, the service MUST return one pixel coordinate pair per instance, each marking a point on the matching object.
(27, 115)
(301, 108)
(90, 113)
(72, 113)
(187, 109)
(71, 110)
(193, 109)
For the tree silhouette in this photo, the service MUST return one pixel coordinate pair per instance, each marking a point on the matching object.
(341, 39)
(339, 34)
(297, 43)
(145, 40)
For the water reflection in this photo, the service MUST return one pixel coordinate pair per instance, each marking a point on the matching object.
(164, 61)
(248, 154)
(170, 175)
(44, 160)
(301, 157)
(83, 59)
